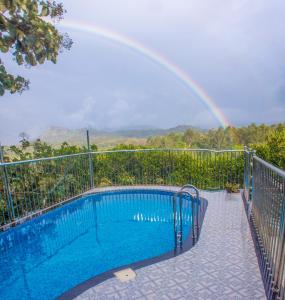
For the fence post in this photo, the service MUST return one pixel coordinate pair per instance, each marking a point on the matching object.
(251, 191)
(9, 199)
(247, 175)
(250, 175)
(248, 178)
(91, 169)
(245, 170)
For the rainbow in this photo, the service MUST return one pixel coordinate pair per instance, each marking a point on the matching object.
(155, 57)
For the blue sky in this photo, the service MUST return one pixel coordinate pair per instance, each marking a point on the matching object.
(233, 48)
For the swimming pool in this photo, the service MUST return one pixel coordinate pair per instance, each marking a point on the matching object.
(49, 255)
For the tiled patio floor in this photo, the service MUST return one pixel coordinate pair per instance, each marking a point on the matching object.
(221, 266)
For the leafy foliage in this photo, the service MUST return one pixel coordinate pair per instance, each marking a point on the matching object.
(35, 186)
(40, 149)
(25, 31)
(273, 148)
(268, 141)
(221, 138)
(232, 187)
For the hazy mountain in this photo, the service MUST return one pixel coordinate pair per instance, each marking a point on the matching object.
(107, 137)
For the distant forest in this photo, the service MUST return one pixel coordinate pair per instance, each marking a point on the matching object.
(267, 140)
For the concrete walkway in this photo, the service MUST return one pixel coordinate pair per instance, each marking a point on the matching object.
(221, 266)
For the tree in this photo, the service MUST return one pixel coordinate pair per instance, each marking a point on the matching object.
(24, 140)
(273, 149)
(189, 136)
(26, 32)
(276, 144)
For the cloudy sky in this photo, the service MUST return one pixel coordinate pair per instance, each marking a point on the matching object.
(234, 49)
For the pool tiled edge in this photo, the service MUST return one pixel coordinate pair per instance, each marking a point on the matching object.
(222, 265)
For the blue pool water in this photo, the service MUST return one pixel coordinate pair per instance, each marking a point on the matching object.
(45, 257)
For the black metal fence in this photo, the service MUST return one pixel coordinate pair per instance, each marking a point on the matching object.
(28, 187)
(266, 210)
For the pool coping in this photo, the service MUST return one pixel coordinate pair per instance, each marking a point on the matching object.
(187, 244)
(35, 214)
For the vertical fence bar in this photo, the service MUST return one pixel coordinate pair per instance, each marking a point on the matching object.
(248, 184)
(246, 180)
(91, 168)
(9, 203)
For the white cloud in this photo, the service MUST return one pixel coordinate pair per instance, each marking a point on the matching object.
(233, 48)
(81, 116)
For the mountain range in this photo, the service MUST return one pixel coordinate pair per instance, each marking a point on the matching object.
(108, 137)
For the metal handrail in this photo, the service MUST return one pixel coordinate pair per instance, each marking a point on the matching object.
(191, 186)
(174, 220)
(183, 192)
(278, 171)
(28, 161)
(114, 151)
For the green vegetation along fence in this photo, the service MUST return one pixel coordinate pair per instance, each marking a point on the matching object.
(28, 187)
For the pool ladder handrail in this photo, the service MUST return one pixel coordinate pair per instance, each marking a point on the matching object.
(196, 190)
(178, 236)
(190, 186)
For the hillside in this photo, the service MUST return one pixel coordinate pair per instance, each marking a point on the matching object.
(106, 138)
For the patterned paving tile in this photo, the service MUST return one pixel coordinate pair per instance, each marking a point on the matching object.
(221, 266)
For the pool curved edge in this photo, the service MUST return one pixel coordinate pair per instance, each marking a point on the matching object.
(187, 245)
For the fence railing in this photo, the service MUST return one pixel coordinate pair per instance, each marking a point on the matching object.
(28, 187)
(266, 211)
